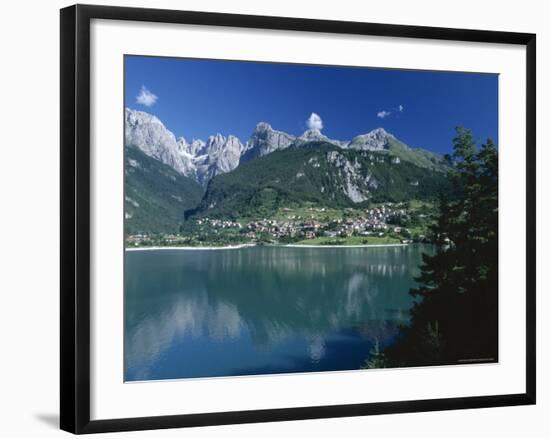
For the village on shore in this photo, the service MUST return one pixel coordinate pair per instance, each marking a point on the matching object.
(387, 223)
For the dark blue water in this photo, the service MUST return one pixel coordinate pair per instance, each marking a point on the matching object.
(260, 310)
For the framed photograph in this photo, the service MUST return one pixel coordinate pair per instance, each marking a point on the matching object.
(268, 218)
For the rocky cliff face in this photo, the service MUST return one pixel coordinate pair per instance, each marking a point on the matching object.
(218, 155)
(194, 148)
(375, 140)
(202, 160)
(356, 184)
(199, 160)
(264, 140)
(147, 133)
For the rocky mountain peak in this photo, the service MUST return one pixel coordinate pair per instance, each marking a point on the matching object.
(374, 140)
(379, 132)
(312, 135)
(264, 140)
(219, 154)
(216, 139)
(315, 135)
(147, 133)
(135, 118)
(262, 126)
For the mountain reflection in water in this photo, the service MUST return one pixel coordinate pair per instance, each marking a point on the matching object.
(204, 313)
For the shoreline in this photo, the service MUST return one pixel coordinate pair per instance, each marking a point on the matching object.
(340, 246)
(239, 246)
(227, 247)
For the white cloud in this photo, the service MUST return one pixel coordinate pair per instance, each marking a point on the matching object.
(382, 114)
(145, 97)
(315, 122)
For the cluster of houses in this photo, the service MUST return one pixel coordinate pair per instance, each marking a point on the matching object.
(375, 221)
(220, 224)
(137, 239)
(146, 239)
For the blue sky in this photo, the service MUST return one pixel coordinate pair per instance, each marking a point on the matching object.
(198, 98)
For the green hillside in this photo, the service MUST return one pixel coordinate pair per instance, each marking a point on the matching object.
(156, 196)
(319, 174)
(417, 156)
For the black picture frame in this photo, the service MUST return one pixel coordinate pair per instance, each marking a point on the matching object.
(75, 217)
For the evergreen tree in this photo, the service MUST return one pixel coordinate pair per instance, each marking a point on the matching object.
(456, 315)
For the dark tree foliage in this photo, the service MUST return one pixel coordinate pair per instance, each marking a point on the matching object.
(456, 316)
(156, 196)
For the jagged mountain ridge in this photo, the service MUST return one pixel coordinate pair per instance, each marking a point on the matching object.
(218, 155)
(202, 160)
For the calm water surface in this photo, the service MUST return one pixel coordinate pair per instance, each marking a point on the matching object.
(258, 310)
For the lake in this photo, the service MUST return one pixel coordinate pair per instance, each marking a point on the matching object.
(261, 310)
